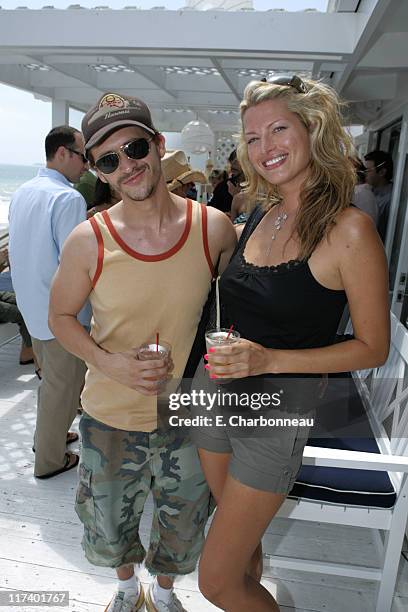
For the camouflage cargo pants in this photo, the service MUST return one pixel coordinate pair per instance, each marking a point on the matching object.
(117, 471)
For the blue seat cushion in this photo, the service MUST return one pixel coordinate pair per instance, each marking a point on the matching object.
(342, 423)
(5, 281)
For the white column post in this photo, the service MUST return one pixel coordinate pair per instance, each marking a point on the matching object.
(400, 283)
(60, 112)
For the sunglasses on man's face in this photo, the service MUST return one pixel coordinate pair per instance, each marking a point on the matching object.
(290, 81)
(135, 149)
(81, 155)
(373, 168)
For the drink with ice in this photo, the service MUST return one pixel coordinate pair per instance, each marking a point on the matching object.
(153, 350)
(221, 337)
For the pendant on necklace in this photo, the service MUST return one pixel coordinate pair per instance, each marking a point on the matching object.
(278, 223)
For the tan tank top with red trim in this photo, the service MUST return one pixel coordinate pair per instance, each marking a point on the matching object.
(133, 297)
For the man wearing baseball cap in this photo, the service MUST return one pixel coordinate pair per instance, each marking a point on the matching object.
(146, 266)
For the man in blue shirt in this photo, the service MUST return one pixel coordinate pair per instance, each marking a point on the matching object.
(43, 212)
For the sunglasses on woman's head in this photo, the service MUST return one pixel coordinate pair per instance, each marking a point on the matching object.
(291, 81)
(135, 149)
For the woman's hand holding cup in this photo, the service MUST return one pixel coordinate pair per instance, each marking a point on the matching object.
(237, 360)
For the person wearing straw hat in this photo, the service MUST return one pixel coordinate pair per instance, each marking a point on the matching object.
(146, 265)
(180, 177)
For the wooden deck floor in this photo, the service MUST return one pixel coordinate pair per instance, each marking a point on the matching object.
(40, 534)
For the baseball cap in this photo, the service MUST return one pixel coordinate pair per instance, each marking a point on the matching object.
(111, 112)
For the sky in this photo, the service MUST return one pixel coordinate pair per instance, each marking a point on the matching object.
(25, 121)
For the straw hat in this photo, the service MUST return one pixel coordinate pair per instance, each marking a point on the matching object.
(177, 170)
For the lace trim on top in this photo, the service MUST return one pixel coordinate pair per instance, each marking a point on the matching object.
(254, 220)
(285, 266)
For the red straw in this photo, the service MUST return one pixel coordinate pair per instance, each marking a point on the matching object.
(157, 342)
(229, 331)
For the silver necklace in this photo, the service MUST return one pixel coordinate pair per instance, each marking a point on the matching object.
(277, 226)
(279, 223)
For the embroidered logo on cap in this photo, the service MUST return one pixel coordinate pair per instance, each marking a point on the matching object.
(113, 111)
(113, 101)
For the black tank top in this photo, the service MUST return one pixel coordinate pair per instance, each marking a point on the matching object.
(283, 306)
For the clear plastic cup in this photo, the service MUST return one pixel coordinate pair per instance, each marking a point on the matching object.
(221, 337)
(150, 350)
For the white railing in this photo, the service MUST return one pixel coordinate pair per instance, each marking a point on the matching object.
(384, 393)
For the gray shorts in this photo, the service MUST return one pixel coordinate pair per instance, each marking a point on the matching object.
(268, 463)
(265, 457)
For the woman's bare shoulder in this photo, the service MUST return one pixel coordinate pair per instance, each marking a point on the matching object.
(353, 225)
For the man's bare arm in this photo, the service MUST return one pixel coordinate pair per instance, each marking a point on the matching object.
(70, 289)
(221, 238)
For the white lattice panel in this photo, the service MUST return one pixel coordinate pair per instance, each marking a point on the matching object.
(225, 143)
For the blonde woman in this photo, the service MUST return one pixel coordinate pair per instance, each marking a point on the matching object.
(303, 254)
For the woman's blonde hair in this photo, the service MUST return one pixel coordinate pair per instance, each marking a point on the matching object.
(329, 187)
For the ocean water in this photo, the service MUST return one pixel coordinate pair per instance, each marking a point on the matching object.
(11, 177)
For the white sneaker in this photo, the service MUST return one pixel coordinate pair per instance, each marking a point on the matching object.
(174, 605)
(124, 603)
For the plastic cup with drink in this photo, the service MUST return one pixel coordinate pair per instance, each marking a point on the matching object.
(221, 337)
(155, 349)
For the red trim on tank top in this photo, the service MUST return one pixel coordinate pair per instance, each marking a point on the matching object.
(142, 256)
(99, 240)
(204, 226)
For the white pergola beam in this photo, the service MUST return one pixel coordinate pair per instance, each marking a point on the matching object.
(9, 58)
(180, 58)
(56, 77)
(316, 69)
(229, 79)
(205, 83)
(287, 32)
(207, 99)
(180, 55)
(74, 73)
(74, 58)
(119, 80)
(376, 10)
(22, 79)
(389, 51)
(266, 64)
(159, 80)
(333, 46)
(88, 95)
(365, 86)
(235, 57)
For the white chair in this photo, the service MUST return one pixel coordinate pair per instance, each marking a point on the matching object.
(384, 394)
